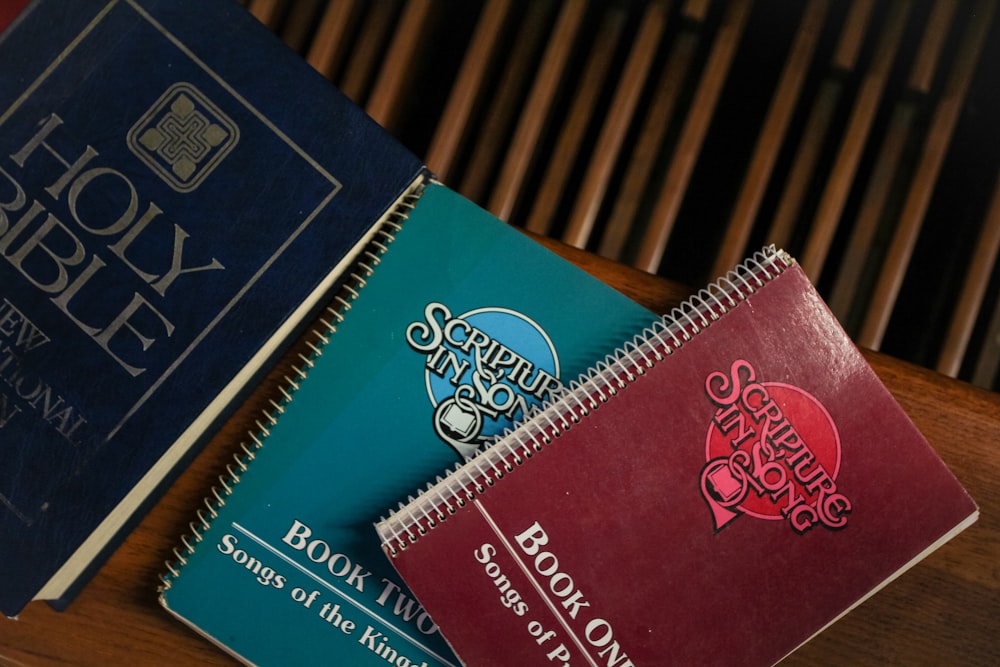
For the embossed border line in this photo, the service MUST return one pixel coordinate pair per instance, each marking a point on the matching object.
(266, 122)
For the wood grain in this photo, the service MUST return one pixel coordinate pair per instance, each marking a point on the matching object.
(624, 216)
(570, 143)
(395, 77)
(467, 88)
(619, 119)
(974, 288)
(824, 106)
(329, 46)
(897, 260)
(675, 182)
(838, 184)
(878, 189)
(535, 115)
(505, 105)
(771, 137)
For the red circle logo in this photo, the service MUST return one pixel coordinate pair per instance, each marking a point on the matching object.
(773, 452)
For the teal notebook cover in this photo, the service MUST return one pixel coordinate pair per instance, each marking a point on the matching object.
(463, 324)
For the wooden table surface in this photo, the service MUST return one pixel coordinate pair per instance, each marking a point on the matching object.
(945, 611)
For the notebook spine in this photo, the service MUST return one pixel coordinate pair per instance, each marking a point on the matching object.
(469, 479)
(314, 342)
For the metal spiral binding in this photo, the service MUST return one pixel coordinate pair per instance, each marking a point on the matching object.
(471, 478)
(369, 258)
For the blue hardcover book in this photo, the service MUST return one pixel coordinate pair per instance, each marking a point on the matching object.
(448, 337)
(178, 192)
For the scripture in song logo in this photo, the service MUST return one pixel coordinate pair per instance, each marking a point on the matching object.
(773, 453)
(484, 370)
(183, 137)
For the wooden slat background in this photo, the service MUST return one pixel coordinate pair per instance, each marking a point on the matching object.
(678, 136)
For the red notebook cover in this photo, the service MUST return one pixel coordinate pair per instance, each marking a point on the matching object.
(8, 10)
(715, 493)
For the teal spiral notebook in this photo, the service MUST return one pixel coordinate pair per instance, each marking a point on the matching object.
(455, 325)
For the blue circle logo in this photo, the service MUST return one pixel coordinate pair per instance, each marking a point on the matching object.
(485, 370)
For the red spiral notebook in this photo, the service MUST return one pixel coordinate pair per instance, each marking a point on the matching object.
(10, 9)
(716, 492)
